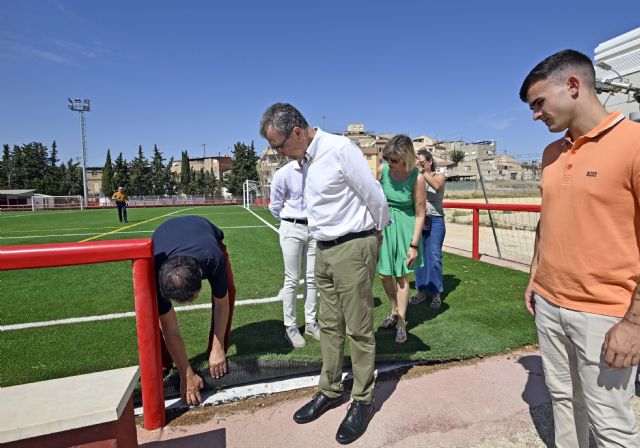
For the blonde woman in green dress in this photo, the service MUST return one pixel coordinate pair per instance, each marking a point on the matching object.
(400, 252)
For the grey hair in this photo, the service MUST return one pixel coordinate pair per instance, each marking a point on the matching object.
(282, 117)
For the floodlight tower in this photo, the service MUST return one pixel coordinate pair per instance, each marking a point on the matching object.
(82, 106)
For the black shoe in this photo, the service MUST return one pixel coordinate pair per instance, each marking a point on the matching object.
(318, 405)
(355, 423)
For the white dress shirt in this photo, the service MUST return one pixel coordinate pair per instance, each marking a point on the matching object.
(287, 200)
(341, 193)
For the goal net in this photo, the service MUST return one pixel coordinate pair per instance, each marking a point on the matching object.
(45, 202)
(257, 193)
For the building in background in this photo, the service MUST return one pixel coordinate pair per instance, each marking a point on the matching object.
(94, 181)
(218, 165)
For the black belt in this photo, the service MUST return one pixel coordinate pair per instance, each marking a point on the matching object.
(295, 220)
(345, 238)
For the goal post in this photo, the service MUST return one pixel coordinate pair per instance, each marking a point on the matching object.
(255, 194)
(45, 202)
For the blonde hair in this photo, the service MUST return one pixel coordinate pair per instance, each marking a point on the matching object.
(400, 147)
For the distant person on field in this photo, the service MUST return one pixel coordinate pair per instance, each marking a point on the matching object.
(429, 275)
(121, 199)
(345, 206)
(287, 205)
(583, 289)
(187, 250)
(400, 252)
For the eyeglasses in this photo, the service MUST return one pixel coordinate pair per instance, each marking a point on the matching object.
(279, 147)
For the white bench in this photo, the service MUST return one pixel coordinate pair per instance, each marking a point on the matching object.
(95, 409)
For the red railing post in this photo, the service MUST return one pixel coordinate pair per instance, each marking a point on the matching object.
(148, 330)
(475, 242)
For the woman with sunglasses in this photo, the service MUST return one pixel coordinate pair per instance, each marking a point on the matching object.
(400, 251)
(429, 276)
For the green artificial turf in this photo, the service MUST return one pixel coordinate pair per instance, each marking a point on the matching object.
(482, 312)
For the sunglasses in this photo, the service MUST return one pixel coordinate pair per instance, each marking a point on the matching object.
(391, 159)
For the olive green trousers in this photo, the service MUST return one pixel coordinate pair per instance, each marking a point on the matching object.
(344, 277)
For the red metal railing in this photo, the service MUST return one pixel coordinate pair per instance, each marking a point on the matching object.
(144, 291)
(476, 207)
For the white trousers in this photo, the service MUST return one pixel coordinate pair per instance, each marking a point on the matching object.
(298, 248)
(585, 392)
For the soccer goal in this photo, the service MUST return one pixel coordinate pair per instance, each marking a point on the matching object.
(255, 193)
(46, 202)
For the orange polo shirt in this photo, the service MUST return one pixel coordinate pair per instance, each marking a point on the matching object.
(589, 245)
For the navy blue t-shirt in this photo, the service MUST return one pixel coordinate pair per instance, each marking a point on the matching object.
(191, 236)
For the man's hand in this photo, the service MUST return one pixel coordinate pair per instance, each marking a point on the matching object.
(190, 388)
(622, 344)
(217, 362)
(529, 301)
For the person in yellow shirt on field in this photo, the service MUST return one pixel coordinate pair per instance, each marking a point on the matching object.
(121, 199)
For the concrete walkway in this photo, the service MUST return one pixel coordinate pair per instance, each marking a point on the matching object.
(498, 401)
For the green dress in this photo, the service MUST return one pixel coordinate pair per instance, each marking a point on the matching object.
(397, 236)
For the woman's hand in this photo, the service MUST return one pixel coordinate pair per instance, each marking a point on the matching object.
(412, 254)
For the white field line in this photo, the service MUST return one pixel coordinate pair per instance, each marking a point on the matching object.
(100, 233)
(275, 229)
(76, 320)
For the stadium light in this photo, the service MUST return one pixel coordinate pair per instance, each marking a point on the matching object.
(604, 66)
(82, 106)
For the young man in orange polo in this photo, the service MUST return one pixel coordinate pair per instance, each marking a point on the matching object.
(586, 264)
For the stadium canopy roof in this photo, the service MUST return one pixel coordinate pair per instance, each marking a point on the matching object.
(17, 193)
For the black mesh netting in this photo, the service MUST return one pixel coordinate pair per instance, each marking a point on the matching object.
(240, 373)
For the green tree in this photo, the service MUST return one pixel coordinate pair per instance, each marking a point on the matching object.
(72, 183)
(199, 183)
(171, 187)
(17, 175)
(212, 185)
(457, 155)
(52, 182)
(185, 173)
(107, 176)
(121, 173)
(34, 162)
(139, 174)
(244, 167)
(159, 175)
(5, 166)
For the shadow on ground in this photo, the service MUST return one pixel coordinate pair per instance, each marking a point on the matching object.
(215, 438)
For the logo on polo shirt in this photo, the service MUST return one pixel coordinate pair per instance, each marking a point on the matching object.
(592, 173)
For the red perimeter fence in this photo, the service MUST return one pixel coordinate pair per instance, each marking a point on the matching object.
(144, 290)
(475, 251)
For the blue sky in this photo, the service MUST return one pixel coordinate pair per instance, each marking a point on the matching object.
(180, 74)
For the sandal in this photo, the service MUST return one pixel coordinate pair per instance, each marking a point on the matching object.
(390, 321)
(418, 298)
(436, 302)
(401, 335)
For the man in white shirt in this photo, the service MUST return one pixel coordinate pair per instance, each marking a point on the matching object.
(345, 206)
(287, 205)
